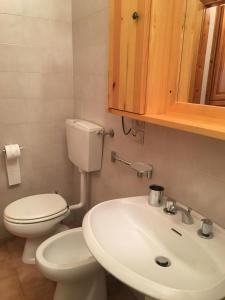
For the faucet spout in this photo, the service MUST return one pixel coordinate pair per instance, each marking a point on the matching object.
(185, 214)
(172, 209)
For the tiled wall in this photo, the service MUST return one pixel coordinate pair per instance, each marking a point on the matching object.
(191, 167)
(36, 94)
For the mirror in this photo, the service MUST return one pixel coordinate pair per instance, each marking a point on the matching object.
(202, 73)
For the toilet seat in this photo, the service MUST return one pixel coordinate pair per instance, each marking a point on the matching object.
(36, 209)
(33, 221)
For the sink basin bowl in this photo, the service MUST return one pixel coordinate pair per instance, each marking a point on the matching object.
(127, 235)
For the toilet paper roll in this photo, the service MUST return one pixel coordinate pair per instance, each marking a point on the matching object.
(12, 154)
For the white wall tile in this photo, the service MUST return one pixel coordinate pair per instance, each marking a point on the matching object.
(11, 7)
(58, 85)
(43, 133)
(21, 59)
(13, 111)
(62, 35)
(62, 10)
(58, 60)
(13, 134)
(91, 44)
(41, 159)
(84, 8)
(49, 110)
(92, 61)
(10, 85)
(37, 8)
(48, 9)
(11, 29)
(31, 85)
(37, 32)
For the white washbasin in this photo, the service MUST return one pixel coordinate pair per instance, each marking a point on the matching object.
(126, 235)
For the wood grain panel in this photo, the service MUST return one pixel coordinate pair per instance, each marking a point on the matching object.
(192, 34)
(129, 41)
(138, 46)
(195, 92)
(209, 3)
(218, 81)
(166, 40)
(196, 123)
(116, 91)
(218, 103)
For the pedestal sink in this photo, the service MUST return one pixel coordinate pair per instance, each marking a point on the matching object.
(155, 253)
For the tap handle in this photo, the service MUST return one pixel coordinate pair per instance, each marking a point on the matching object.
(170, 206)
(170, 203)
(207, 227)
(189, 210)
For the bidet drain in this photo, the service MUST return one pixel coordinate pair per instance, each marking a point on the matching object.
(163, 261)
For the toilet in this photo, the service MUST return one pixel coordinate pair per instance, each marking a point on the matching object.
(35, 218)
(65, 258)
(38, 217)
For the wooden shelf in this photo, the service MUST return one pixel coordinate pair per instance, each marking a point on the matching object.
(211, 127)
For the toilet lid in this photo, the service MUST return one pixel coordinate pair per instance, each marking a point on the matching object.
(35, 207)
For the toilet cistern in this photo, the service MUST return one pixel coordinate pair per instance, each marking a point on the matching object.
(85, 145)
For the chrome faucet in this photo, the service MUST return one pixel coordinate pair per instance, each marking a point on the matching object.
(186, 215)
(172, 209)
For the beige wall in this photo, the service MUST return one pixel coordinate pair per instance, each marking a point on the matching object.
(36, 94)
(191, 167)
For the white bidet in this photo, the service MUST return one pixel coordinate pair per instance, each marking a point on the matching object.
(65, 258)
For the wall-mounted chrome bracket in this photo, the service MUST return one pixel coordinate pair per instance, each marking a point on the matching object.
(115, 157)
(104, 133)
(142, 169)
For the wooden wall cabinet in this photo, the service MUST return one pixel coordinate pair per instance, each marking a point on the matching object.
(145, 63)
(129, 42)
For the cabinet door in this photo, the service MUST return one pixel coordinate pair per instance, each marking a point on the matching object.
(217, 95)
(129, 42)
(165, 52)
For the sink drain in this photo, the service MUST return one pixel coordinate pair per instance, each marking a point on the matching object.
(163, 261)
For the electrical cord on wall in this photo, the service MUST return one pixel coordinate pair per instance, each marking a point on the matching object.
(124, 131)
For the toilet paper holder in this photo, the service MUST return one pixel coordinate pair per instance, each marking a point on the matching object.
(21, 148)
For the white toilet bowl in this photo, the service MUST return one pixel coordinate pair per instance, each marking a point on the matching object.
(65, 258)
(35, 218)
